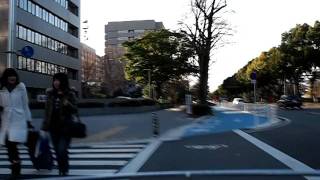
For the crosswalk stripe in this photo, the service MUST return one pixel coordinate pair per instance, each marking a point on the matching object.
(77, 163)
(86, 159)
(88, 151)
(54, 172)
(86, 155)
(22, 147)
(119, 146)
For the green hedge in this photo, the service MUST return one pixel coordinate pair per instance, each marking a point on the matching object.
(201, 109)
(132, 103)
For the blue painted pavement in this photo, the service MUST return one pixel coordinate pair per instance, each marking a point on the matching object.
(225, 119)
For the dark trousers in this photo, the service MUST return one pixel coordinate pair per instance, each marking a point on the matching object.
(61, 144)
(13, 152)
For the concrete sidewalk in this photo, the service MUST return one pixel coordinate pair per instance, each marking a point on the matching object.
(129, 127)
(39, 113)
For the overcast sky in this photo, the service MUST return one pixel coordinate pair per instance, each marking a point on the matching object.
(258, 25)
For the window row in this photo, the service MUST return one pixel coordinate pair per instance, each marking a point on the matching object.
(45, 41)
(131, 31)
(43, 14)
(63, 3)
(42, 67)
(39, 66)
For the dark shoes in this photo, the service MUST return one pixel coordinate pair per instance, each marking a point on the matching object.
(63, 173)
(15, 171)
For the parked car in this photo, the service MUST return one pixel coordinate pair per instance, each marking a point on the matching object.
(289, 101)
(237, 101)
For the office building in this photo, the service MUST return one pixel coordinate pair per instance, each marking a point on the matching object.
(116, 33)
(92, 66)
(51, 28)
(119, 32)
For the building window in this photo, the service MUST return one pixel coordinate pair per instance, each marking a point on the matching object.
(29, 6)
(32, 37)
(43, 67)
(73, 8)
(29, 35)
(51, 19)
(122, 38)
(123, 32)
(45, 15)
(139, 31)
(44, 41)
(33, 9)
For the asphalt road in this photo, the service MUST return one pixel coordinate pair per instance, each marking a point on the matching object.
(229, 151)
(300, 138)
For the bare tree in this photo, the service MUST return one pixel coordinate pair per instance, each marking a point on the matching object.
(88, 70)
(206, 35)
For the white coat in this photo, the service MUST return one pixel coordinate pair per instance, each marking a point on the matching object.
(15, 114)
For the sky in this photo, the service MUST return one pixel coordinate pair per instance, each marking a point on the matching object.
(257, 25)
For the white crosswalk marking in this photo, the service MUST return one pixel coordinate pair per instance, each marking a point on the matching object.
(91, 159)
(2, 151)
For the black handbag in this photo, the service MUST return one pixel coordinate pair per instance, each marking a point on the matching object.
(77, 128)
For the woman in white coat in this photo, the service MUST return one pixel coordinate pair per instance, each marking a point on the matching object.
(15, 116)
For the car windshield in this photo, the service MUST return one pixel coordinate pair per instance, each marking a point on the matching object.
(159, 89)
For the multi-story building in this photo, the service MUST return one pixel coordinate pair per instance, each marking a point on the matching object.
(92, 66)
(117, 33)
(51, 28)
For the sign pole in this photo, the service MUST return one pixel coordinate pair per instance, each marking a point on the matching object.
(254, 91)
(254, 82)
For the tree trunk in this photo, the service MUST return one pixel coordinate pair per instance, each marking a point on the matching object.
(158, 90)
(203, 89)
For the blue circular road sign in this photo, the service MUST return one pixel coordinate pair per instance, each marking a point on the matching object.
(27, 51)
(254, 75)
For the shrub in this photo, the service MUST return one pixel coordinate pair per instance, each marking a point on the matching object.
(201, 109)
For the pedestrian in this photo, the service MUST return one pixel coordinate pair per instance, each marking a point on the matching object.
(59, 111)
(15, 117)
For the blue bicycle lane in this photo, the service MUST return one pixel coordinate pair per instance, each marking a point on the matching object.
(225, 119)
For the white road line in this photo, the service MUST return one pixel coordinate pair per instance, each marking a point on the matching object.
(88, 151)
(104, 150)
(78, 163)
(282, 157)
(54, 172)
(141, 158)
(86, 155)
(119, 146)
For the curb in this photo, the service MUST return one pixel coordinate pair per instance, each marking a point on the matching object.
(282, 121)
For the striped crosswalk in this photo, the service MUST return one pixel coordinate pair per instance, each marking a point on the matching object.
(91, 159)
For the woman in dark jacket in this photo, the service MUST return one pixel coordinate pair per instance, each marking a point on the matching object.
(60, 107)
